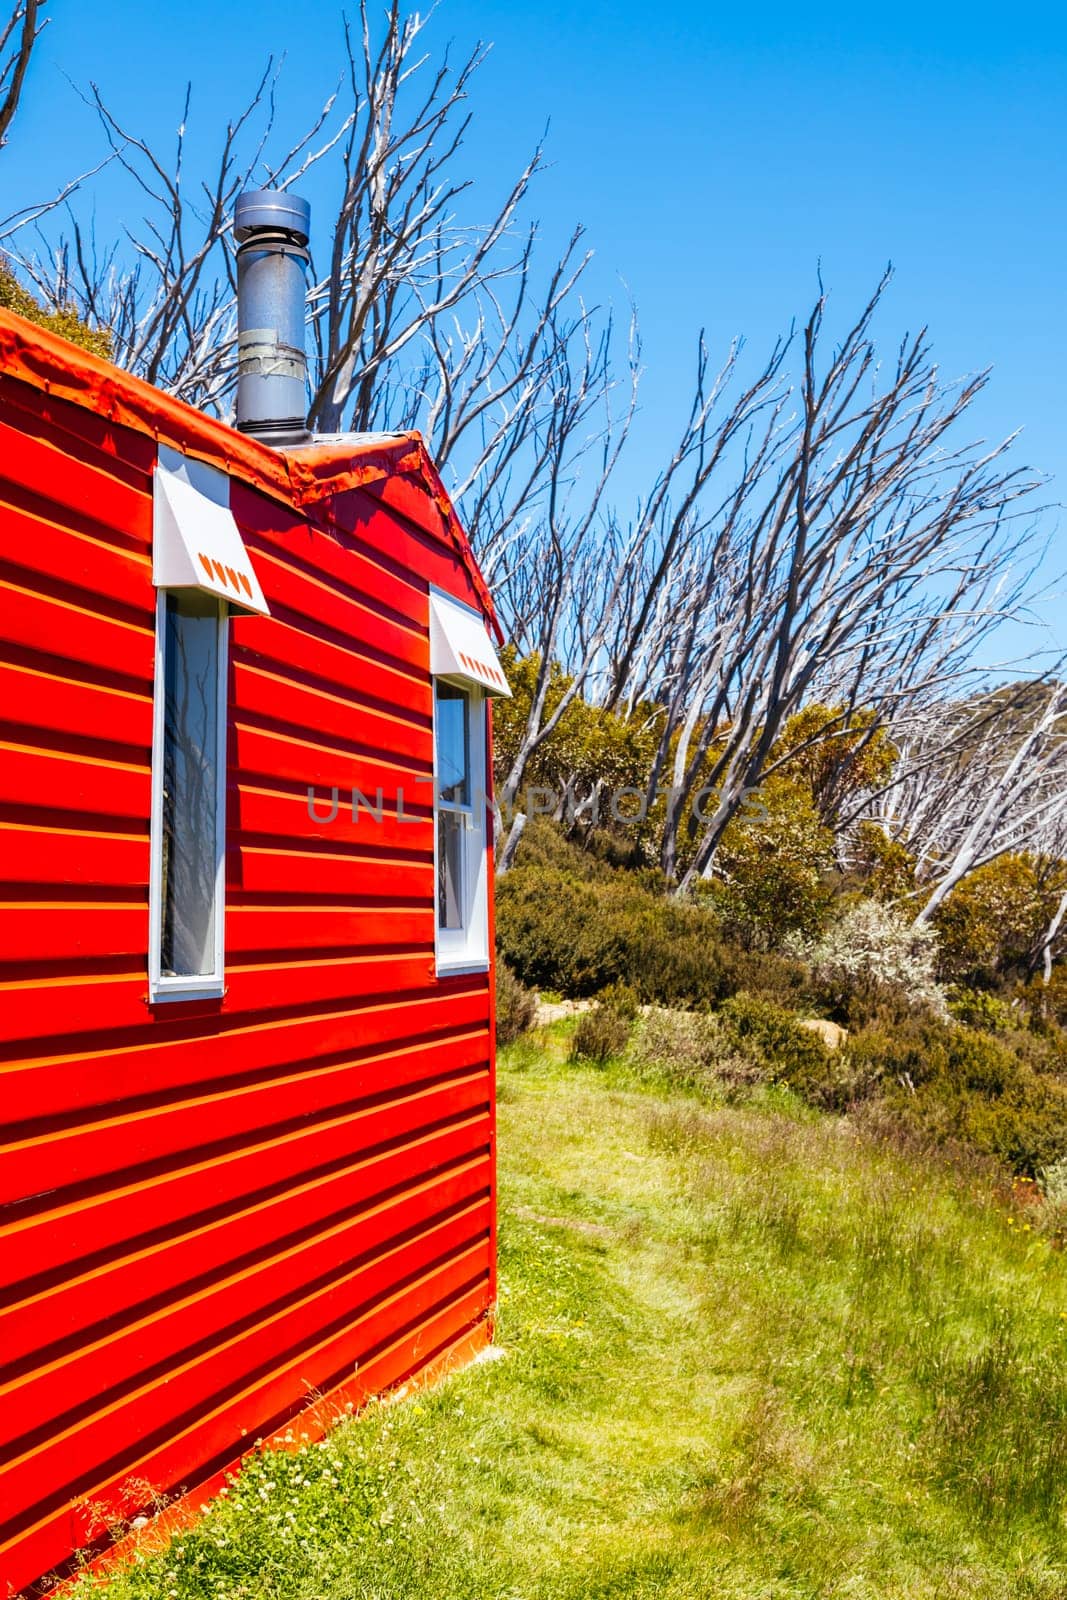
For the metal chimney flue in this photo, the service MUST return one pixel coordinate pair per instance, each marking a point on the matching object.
(272, 229)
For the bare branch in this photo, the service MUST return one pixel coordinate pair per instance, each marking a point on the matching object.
(17, 39)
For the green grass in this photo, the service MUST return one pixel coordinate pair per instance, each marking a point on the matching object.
(747, 1355)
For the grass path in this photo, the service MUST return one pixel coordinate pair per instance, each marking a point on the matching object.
(746, 1356)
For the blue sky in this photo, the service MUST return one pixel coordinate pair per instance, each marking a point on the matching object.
(716, 155)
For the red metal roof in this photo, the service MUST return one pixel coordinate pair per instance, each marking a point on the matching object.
(397, 467)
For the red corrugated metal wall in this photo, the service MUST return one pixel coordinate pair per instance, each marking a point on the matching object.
(211, 1209)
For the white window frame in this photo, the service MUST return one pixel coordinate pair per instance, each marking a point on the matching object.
(204, 986)
(465, 949)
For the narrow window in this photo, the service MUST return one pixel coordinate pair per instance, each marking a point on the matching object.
(188, 817)
(454, 808)
(460, 845)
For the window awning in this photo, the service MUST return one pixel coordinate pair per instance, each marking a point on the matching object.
(460, 647)
(195, 540)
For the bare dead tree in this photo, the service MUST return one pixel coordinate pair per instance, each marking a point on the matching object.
(1048, 857)
(422, 318)
(399, 259)
(482, 395)
(894, 680)
(578, 441)
(17, 38)
(828, 543)
(841, 551)
(977, 780)
(1049, 938)
(592, 591)
(165, 293)
(847, 519)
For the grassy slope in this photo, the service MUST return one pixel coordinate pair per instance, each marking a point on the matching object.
(747, 1356)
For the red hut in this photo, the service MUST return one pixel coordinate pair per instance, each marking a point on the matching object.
(246, 1018)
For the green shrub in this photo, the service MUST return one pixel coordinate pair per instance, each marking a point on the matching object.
(980, 1009)
(548, 927)
(772, 867)
(992, 924)
(691, 1050)
(1052, 1217)
(773, 1040)
(1023, 1128)
(946, 1084)
(544, 845)
(1046, 1003)
(62, 320)
(884, 867)
(599, 1034)
(516, 1006)
(578, 936)
(781, 979)
(568, 921)
(620, 998)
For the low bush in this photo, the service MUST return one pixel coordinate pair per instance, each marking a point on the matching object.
(992, 924)
(946, 1084)
(578, 936)
(773, 868)
(1023, 1128)
(872, 960)
(544, 846)
(784, 1051)
(781, 979)
(516, 1006)
(1046, 1003)
(980, 1009)
(1052, 1216)
(691, 1050)
(600, 1034)
(549, 930)
(567, 921)
(620, 998)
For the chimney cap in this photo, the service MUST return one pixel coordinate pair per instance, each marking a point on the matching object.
(271, 208)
